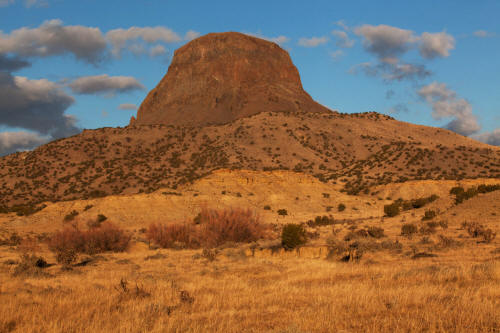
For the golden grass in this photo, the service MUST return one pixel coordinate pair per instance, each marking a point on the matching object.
(236, 293)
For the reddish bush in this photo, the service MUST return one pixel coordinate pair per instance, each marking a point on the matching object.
(212, 228)
(106, 237)
(230, 225)
(172, 235)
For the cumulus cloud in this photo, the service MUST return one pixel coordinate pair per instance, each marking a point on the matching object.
(37, 105)
(157, 50)
(11, 64)
(491, 138)
(434, 45)
(398, 108)
(127, 106)
(386, 42)
(313, 41)
(446, 104)
(389, 44)
(343, 39)
(52, 38)
(11, 142)
(104, 83)
(121, 39)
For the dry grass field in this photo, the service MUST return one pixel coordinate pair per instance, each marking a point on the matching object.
(181, 291)
(438, 278)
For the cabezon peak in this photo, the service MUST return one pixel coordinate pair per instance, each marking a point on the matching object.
(221, 77)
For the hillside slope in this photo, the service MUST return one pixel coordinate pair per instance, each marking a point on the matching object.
(353, 152)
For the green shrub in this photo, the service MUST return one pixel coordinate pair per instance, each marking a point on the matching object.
(282, 212)
(292, 236)
(341, 207)
(429, 215)
(392, 209)
(71, 216)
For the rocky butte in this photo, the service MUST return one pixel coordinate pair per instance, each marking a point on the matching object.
(221, 77)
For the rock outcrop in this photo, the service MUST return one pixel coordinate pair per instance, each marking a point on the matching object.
(221, 77)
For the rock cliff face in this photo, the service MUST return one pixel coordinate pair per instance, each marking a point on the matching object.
(221, 77)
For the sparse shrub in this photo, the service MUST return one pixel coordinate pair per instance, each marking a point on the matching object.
(282, 212)
(391, 210)
(320, 221)
(88, 207)
(447, 242)
(172, 235)
(30, 265)
(341, 207)
(71, 241)
(211, 228)
(429, 215)
(408, 230)
(376, 232)
(101, 218)
(267, 207)
(477, 230)
(71, 216)
(361, 233)
(230, 225)
(292, 236)
(209, 254)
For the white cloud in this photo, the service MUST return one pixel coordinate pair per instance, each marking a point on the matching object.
(104, 83)
(11, 142)
(343, 39)
(122, 38)
(127, 106)
(191, 34)
(446, 104)
(483, 34)
(343, 25)
(491, 138)
(434, 45)
(157, 50)
(386, 42)
(313, 41)
(52, 38)
(336, 55)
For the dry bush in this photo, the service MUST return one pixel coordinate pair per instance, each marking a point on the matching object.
(376, 232)
(230, 225)
(71, 241)
(212, 228)
(31, 265)
(172, 235)
(408, 230)
(477, 230)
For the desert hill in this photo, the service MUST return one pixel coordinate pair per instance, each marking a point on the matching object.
(264, 192)
(353, 152)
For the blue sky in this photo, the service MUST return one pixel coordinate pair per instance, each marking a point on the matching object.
(67, 65)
